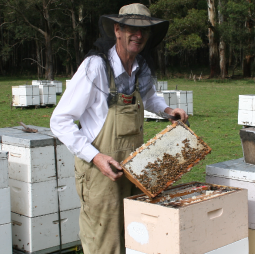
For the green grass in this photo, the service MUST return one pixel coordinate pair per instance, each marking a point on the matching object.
(215, 116)
(215, 105)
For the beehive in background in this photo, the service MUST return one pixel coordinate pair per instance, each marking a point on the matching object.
(34, 161)
(25, 95)
(5, 206)
(189, 218)
(246, 110)
(174, 99)
(58, 84)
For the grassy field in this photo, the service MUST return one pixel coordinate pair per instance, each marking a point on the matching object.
(215, 116)
(215, 105)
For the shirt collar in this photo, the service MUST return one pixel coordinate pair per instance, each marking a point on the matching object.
(117, 64)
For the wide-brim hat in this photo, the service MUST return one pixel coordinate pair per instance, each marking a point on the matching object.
(135, 15)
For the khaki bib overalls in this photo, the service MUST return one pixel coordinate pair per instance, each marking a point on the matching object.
(101, 216)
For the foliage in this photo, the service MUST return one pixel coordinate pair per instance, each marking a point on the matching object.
(237, 28)
(187, 24)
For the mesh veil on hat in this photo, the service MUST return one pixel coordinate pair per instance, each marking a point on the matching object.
(135, 15)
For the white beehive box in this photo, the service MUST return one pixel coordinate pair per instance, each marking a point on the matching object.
(47, 89)
(5, 206)
(39, 233)
(191, 221)
(48, 99)
(32, 157)
(25, 90)
(246, 110)
(3, 169)
(28, 198)
(22, 100)
(161, 85)
(170, 98)
(239, 247)
(67, 82)
(58, 85)
(235, 173)
(6, 238)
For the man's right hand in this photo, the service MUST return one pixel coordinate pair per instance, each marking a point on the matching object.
(103, 163)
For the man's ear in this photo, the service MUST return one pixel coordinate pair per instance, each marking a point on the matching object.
(117, 30)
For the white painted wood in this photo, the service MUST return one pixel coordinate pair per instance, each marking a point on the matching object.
(235, 173)
(170, 98)
(247, 102)
(31, 164)
(38, 233)
(22, 100)
(6, 239)
(47, 89)
(233, 169)
(239, 247)
(67, 82)
(36, 199)
(37, 164)
(58, 85)
(5, 206)
(187, 229)
(3, 169)
(246, 117)
(48, 99)
(161, 85)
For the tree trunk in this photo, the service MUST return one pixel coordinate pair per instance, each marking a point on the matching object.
(213, 46)
(81, 33)
(161, 58)
(222, 47)
(38, 59)
(75, 38)
(49, 73)
(247, 66)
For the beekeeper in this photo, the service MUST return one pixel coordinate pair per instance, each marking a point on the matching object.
(108, 95)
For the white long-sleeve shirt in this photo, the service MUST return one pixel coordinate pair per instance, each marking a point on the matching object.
(85, 99)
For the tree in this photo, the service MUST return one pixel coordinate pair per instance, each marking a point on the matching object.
(237, 30)
(187, 25)
(213, 42)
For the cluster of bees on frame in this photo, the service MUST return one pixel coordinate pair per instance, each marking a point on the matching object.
(156, 175)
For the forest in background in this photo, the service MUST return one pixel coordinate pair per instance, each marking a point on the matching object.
(52, 37)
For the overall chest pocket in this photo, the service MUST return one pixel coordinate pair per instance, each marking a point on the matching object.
(129, 120)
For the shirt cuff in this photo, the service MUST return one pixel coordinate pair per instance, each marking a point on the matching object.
(87, 153)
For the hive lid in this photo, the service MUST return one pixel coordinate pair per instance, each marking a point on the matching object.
(164, 159)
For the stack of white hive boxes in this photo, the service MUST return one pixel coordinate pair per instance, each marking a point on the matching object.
(35, 191)
(246, 110)
(25, 95)
(5, 206)
(174, 99)
(56, 83)
(47, 94)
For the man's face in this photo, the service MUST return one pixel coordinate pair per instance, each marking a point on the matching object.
(130, 39)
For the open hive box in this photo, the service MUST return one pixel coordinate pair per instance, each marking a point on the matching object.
(164, 159)
(191, 218)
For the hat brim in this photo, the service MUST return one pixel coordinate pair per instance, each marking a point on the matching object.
(159, 27)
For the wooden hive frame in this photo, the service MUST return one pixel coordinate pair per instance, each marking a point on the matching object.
(168, 140)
